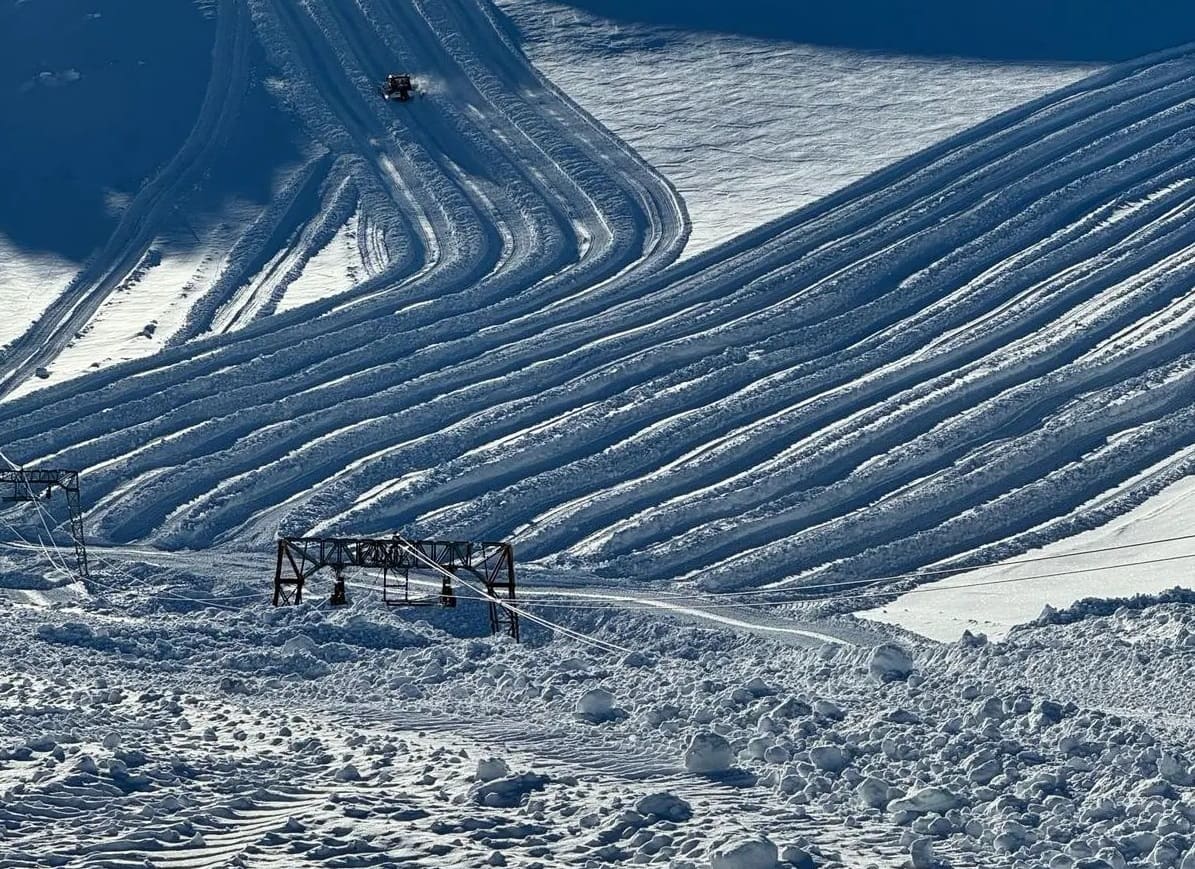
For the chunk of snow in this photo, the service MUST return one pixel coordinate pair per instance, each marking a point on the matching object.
(597, 702)
(708, 752)
(759, 688)
(508, 792)
(664, 805)
(792, 707)
(921, 853)
(637, 660)
(597, 706)
(491, 768)
(300, 643)
(829, 758)
(756, 852)
(828, 709)
(873, 792)
(889, 663)
(929, 799)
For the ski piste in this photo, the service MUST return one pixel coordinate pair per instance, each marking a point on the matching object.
(920, 366)
(724, 471)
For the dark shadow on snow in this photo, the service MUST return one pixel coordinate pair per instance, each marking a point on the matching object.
(95, 98)
(1008, 30)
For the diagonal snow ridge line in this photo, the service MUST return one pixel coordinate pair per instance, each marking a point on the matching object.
(976, 343)
(370, 316)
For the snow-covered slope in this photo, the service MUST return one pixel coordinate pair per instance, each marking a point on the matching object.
(750, 127)
(472, 315)
(957, 354)
(1144, 551)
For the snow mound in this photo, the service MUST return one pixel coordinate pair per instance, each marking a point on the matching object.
(509, 791)
(491, 769)
(928, 799)
(665, 805)
(756, 852)
(596, 706)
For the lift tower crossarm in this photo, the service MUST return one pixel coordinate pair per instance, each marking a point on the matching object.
(491, 562)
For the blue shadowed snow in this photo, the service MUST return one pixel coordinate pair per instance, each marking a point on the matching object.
(96, 99)
(79, 85)
(1035, 30)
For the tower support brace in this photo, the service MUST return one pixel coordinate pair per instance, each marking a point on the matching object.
(34, 484)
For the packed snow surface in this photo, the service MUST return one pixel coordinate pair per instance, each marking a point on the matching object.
(724, 372)
(172, 720)
(749, 128)
(1145, 551)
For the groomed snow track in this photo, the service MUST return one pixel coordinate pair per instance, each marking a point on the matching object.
(987, 346)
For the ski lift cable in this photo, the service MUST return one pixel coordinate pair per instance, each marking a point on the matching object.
(58, 568)
(577, 635)
(62, 567)
(917, 574)
(116, 568)
(41, 512)
(697, 600)
(696, 603)
(113, 567)
(111, 564)
(166, 595)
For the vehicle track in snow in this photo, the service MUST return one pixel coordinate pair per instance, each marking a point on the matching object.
(950, 355)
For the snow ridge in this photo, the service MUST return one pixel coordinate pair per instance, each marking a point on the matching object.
(947, 355)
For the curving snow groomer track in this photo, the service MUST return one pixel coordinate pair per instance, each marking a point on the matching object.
(978, 349)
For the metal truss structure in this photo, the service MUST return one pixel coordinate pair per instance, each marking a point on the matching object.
(491, 563)
(34, 484)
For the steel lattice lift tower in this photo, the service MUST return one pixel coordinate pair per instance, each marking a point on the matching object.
(34, 484)
(492, 564)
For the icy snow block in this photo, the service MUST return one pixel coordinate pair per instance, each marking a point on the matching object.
(596, 706)
(931, 799)
(664, 805)
(792, 707)
(828, 709)
(708, 752)
(889, 663)
(873, 792)
(759, 688)
(597, 702)
(637, 659)
(1174, 769)
(921, 853)
(829, 758)
(71, 633)
(757, 852)
(491, 768)
(300, 643)
(506, 793)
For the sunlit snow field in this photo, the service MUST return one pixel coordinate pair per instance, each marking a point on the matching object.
(736, 334)
(749, 129)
